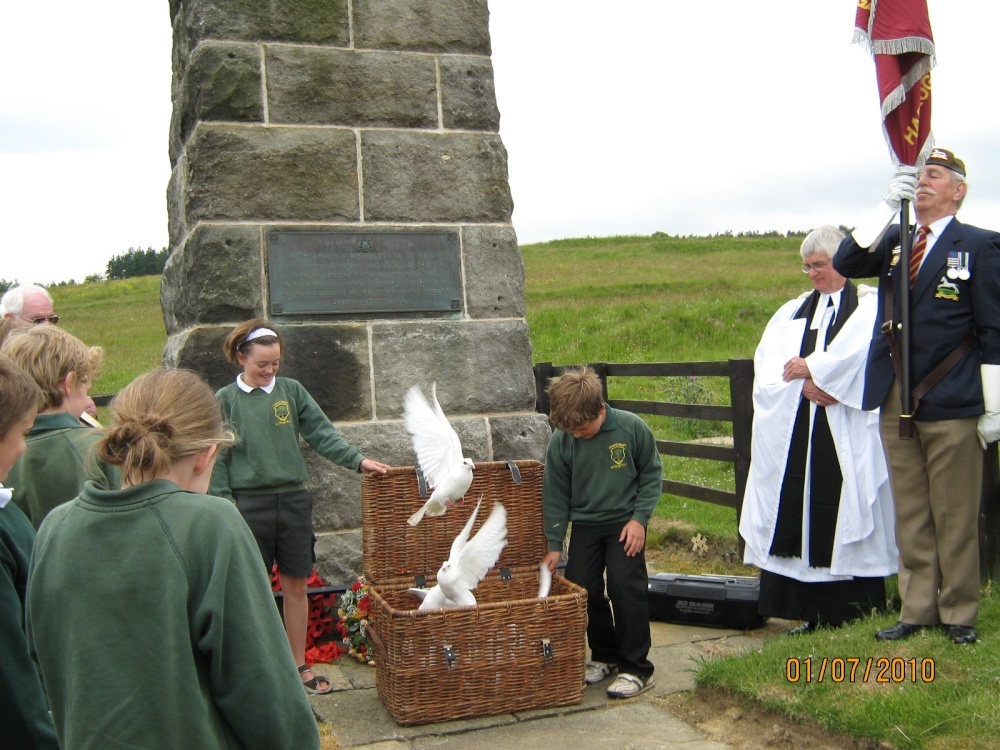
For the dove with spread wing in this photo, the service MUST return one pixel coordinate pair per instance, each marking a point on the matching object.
(434, 598)
(468, 561)
(439, 453)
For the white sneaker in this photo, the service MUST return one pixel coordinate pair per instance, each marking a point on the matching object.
(598, 670)
(630, 685)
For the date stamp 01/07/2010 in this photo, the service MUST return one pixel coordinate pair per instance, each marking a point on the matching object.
(859, 669)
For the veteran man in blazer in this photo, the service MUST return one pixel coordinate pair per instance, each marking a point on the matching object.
(936, 476)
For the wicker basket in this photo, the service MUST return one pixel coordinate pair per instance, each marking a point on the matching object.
(511, 652)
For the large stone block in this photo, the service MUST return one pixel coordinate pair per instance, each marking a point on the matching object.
(494, 272)
(302, 21)
(331, 362)
(481, 367)
(270, 174)
(315, 85)
(423, 25)
(176, 224)
(519, 437)
(339, 556)
(426, 177)
(468, 98)
(214, 277)
(200, 349)
(222, 82)
(336, 493)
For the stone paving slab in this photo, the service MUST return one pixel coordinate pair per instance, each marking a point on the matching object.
(360, 720)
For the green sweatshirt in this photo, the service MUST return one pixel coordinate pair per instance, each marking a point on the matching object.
(268, 458)
(614, 477)
(153, 624)
(24, 713)
(56, 464)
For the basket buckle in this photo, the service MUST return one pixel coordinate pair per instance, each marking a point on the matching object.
(515, 473)
(506, 574)
(449, 657)
(546, 649)
(421, 483)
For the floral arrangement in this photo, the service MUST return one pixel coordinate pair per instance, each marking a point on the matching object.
(321, 645)
(353, 625)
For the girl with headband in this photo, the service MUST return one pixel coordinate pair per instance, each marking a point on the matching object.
(265, 473)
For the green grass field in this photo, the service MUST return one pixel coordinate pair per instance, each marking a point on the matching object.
(123, 317)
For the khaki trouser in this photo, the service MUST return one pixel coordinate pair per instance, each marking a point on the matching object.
(936, 485)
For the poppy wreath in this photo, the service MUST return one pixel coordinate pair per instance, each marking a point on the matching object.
(321, 641)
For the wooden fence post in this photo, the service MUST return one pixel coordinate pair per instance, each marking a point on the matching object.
(601, 368)
(741, 398)
(543, 373)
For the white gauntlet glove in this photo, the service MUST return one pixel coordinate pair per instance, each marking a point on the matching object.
(902, 186)
(988, 427)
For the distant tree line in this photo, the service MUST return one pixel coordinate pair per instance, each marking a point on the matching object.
(137, 262)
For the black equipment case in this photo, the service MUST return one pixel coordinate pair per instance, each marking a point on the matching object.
(717, 601)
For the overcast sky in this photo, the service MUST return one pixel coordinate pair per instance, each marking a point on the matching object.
(619, 118)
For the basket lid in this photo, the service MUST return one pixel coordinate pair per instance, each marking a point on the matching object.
(395, 550)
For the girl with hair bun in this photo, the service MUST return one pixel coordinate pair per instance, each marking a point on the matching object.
(148, 613)
(265, 474)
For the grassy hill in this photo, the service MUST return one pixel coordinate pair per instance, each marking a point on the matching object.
(656, 299)
(122, 316)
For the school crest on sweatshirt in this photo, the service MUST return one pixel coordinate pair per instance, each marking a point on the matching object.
(618, 455)
(282, 412)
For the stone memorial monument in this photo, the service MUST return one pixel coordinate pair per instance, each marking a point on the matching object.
(337, 169)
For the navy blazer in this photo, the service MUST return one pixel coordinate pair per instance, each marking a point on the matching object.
(943, 312)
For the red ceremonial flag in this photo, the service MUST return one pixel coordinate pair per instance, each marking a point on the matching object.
(898, 33)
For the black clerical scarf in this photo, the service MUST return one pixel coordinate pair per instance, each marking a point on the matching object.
(824, 466)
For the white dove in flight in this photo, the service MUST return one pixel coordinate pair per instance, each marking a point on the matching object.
(468, 562)
(439, 453)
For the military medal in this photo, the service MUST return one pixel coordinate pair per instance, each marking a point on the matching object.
(958, 266)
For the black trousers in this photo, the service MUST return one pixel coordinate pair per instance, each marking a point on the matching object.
(617, 631)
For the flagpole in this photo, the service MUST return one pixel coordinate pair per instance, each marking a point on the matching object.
(905, 391)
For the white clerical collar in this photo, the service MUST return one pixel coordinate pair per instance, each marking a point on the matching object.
(5, 496)
(825, 301)
(250, 389)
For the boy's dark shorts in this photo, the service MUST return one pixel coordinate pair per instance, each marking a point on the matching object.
(282, 525)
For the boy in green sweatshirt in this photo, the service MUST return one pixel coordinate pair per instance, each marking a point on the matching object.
(603, 473)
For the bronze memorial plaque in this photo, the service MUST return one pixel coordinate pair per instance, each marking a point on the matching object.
(368, 273)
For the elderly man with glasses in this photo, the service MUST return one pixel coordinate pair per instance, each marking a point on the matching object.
(28, 305)
(817, 512)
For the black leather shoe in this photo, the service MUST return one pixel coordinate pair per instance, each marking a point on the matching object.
(806, 627)
(897, 632)
(961, 634)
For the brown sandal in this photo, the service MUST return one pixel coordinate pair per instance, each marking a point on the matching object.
(310, 685)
